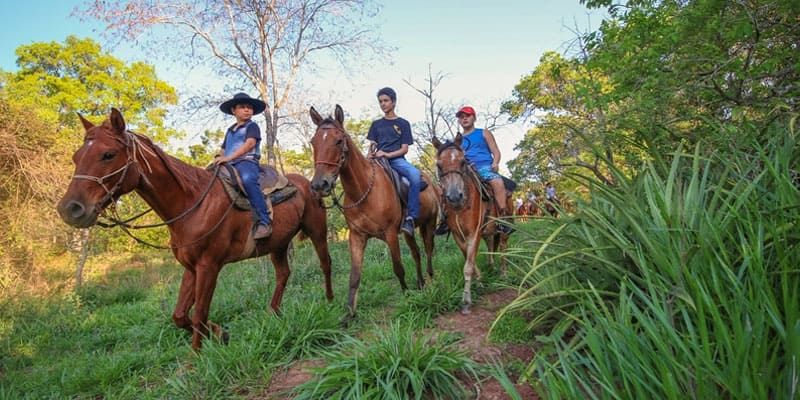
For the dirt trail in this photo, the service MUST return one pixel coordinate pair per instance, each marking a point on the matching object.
(474, 327)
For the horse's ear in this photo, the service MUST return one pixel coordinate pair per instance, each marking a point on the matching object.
(315, 116)
(86, 124)
(338, 113)
(436, 142)
(458, 139)
(117, 122)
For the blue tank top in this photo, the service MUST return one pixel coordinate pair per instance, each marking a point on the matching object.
(236, 138)
(476, 150)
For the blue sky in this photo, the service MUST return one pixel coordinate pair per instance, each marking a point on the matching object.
(484, 47)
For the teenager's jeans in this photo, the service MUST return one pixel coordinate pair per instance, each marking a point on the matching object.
(248, 171)
(410, 172)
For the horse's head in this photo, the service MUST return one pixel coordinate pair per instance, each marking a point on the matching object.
(103, 171)
(451, 167)
(330, 149)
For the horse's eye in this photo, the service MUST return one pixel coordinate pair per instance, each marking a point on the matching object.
(339, 141)
(109, 155)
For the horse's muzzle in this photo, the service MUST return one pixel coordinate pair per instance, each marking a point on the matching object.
(454, 198)
(323, 186)
(76, 213)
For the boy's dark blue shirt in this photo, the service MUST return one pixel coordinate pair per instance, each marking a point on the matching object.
(390, 134)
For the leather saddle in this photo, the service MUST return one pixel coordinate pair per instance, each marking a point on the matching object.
(275, 187)
(487, 193)
(400, 183)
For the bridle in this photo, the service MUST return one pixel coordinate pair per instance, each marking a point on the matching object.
(343, 150)
(465, 172)
(110, 193)
(132, 149)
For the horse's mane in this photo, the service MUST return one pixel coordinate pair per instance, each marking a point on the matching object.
(187, 176)
(349, 139)
(446, 145)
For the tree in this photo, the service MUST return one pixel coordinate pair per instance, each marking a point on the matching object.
(574, 129)
(679, 69)
(264, 44)
(39, 130)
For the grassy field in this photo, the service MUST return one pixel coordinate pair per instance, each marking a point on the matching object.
(114, 338)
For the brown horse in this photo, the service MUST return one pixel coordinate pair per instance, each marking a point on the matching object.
(206, 232)
(469, 216)
(371, 206)
(528, 209)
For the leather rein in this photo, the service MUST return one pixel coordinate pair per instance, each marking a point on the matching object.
(337, 200)
(133, 147)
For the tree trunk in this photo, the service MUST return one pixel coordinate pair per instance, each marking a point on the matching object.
(81, 246)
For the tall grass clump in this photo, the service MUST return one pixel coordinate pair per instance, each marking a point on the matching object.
(681, 282)
(396, 363)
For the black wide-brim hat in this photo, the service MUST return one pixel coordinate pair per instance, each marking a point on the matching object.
(243, 98)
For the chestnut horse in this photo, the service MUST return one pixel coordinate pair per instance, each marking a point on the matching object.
(206, 232)
(469, 216)
(371, 206)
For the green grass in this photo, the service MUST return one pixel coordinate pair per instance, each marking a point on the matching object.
(679, 283)
(396, 363)
(114, 337)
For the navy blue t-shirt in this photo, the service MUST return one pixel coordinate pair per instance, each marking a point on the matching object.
(390, 134)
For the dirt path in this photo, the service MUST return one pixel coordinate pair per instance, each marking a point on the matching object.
(474, 327)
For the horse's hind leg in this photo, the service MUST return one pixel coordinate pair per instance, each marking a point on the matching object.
(282, 272)
(185, 301)
(412, 244)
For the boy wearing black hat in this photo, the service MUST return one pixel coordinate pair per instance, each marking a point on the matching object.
(390, 137)
(241, 148)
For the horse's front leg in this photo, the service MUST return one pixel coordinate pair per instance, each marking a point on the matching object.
(397, 264)
(470, 270)
(282, 272)
(357, 244)
(205, 283)
(185, 301)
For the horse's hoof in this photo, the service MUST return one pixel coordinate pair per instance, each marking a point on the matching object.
(465, 309)
(225, 337)
(347, 320)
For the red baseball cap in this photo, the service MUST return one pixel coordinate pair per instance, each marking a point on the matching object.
(465, 110)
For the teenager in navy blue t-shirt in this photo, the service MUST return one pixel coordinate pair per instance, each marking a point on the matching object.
(390, 137)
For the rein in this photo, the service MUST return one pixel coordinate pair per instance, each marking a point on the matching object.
(342, 159)
(133, 148)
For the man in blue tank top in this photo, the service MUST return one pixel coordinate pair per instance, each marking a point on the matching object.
(390, 137)
(241, 148)
(480, 150)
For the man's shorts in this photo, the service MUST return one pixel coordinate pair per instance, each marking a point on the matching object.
(486, 174)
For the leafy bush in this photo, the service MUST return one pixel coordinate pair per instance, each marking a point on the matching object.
(396, 364)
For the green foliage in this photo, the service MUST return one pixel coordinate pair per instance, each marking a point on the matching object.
(395, 364)
(39, 130)
(681, 281)
(78, 77)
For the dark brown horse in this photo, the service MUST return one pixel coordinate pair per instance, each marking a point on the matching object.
(371, 206)
(469, 216)
(114, 161)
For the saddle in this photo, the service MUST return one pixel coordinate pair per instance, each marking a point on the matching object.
(275, 187)
(487, 193)
(400, 183)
